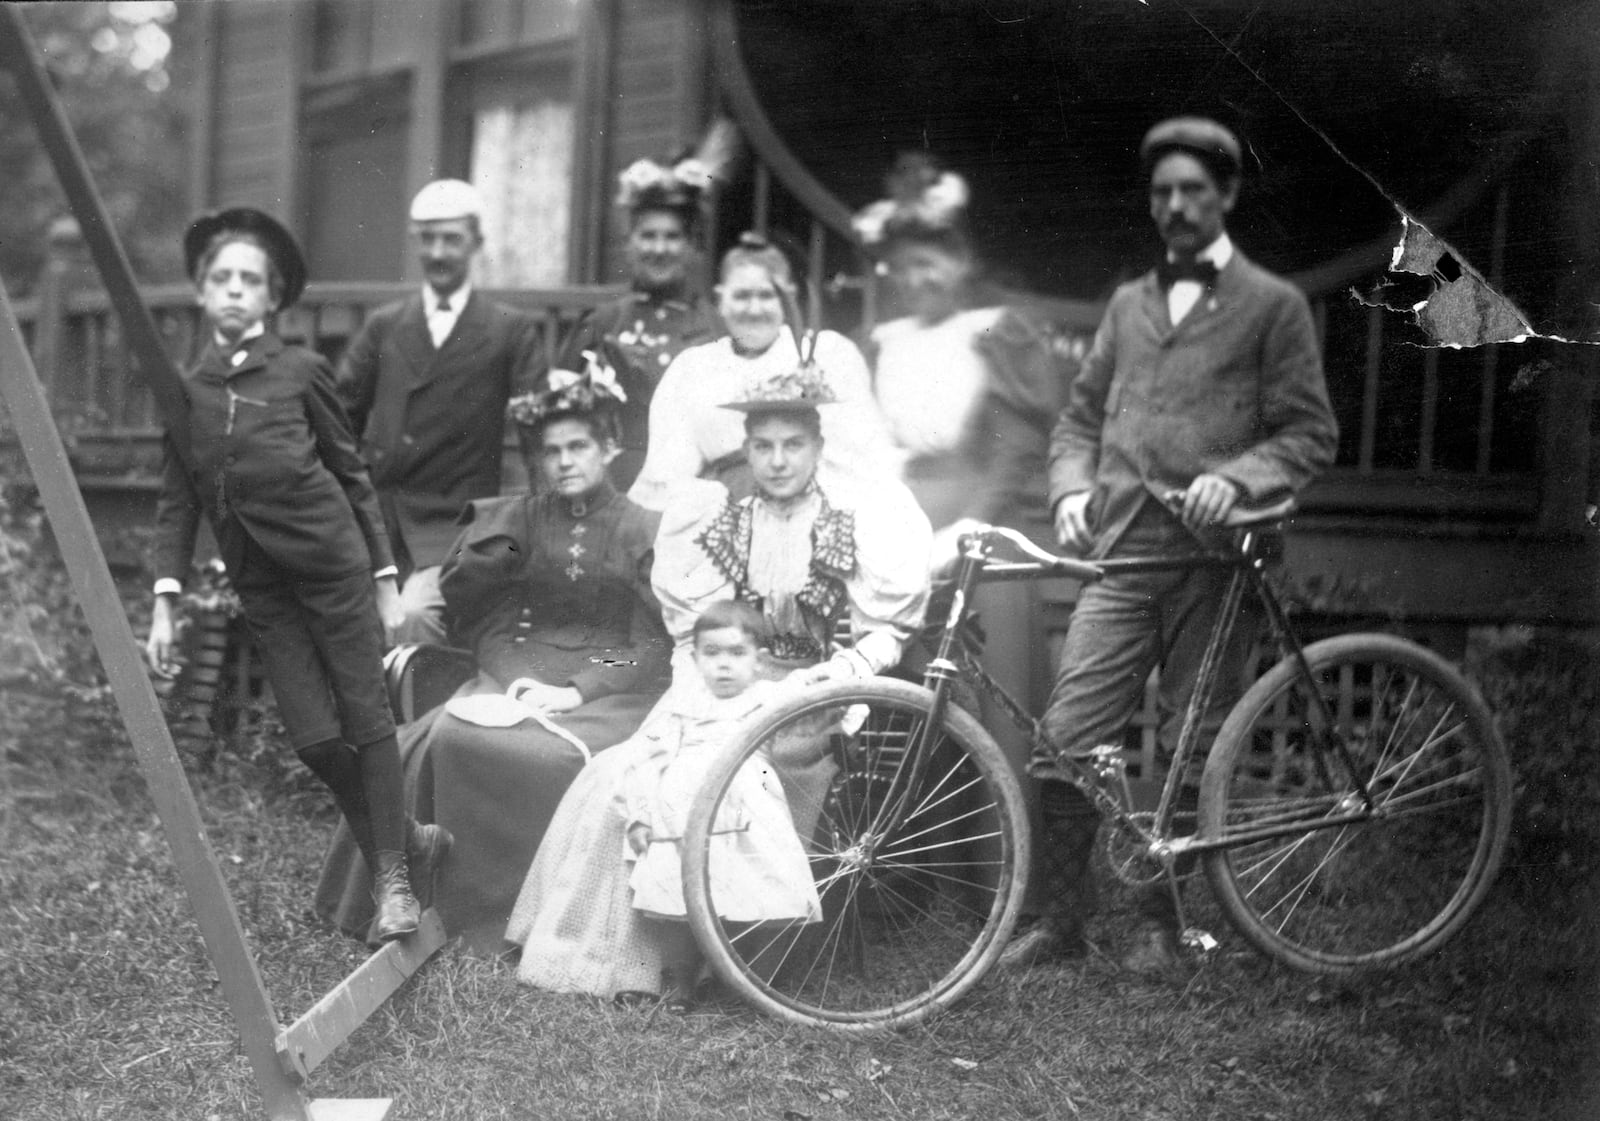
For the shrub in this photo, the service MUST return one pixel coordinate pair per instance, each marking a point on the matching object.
(1544, 690)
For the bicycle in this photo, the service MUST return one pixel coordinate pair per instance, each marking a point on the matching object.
(1353, 809)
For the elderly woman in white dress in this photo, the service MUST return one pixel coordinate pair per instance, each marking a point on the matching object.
(815, 554)
(693, 438)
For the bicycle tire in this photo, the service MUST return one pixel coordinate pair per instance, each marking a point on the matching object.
(911, 915)
(1394, 885)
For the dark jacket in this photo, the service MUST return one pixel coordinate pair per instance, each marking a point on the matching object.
(1235, 389)
(536, 590)
(274, 459)
(432, 421)
(639, 335)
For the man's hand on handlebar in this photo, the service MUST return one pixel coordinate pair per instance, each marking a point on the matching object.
(1208, 501)
(1072, 521)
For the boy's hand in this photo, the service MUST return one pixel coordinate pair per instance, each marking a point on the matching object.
(163, 632)
(390, 610)
(638, 838)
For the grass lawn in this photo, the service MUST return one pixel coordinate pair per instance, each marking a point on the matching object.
(111, 1008)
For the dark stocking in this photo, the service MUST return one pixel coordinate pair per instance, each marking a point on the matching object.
(340, 771)
(384, 784)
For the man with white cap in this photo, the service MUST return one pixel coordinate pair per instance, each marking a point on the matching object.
(1204, 379)
(426, 382)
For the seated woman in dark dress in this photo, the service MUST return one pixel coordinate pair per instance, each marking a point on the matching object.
(551, 592)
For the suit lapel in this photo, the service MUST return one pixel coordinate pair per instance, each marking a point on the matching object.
(412, 339)
(470, 329)
(1155, 305)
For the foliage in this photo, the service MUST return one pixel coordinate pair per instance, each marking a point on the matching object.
(43, 636)
(1544, 690)
(110, 62)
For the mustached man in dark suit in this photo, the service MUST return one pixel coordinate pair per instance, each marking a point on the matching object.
(1204, 378)
(426, 383)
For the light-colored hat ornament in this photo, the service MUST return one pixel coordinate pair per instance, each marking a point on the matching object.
(921, 196)
(570, 391)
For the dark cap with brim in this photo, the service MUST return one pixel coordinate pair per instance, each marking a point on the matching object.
(1204, 138)
(280, 244)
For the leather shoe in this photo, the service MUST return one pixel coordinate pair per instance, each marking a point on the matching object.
(1045, 941)
(1154, 950)
(426, 848)
(398, 912)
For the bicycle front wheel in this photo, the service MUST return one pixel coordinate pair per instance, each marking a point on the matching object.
(906, 853)
(1363, 830)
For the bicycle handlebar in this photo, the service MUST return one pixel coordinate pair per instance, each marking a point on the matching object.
(1240, 517)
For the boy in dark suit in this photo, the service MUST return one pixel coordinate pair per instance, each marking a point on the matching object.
(273, 465)
(426, 383)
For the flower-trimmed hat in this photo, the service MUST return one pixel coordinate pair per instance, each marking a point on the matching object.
(280, 244)
(925, 203)
(680, 185)
(594, 392)
(802, 388)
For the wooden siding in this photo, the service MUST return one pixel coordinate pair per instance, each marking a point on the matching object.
(658, 97)
(254, 103)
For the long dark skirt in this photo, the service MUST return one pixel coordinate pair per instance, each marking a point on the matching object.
(495, 790)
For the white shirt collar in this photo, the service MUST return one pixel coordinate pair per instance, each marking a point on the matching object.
(252, 332)
(458, 298)
(1219, 252)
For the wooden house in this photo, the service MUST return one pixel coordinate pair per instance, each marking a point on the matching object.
(1460, 489)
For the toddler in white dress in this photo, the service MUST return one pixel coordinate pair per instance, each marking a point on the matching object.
(759, 869)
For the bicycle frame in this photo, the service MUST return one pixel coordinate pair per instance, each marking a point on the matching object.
(1245, 557)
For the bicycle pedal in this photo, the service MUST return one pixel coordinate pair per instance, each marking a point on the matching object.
(1193, 938)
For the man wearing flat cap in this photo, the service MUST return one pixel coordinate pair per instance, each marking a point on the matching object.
(1205, 380)
(426, 383)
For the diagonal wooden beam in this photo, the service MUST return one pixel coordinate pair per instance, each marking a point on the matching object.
(316, 1035)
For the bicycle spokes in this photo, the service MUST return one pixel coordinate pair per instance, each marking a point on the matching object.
(1358, 806)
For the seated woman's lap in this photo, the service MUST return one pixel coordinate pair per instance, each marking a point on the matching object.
(495, 790)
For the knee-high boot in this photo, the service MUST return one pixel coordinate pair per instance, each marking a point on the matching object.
(384, 787)
(1071, 824)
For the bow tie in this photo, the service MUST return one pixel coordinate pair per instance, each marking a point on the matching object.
(1170, 272)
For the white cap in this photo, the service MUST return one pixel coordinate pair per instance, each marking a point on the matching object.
(444, 199)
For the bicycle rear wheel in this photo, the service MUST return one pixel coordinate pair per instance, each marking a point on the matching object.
(914, 879)
(1316, 878)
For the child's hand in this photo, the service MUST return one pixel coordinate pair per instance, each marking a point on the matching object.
(163, 633)
(638, 838)
(390, 610)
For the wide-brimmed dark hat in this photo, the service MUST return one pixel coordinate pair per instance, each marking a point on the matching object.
(280, 243)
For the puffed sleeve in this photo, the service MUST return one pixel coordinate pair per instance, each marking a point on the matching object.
(483, 565)
(1027, 381)
(673, 454)
(684, 578)
(889, 589)
(336, 447)
(856, 439)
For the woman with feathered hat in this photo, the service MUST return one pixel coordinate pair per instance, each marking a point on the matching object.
(551, 592)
